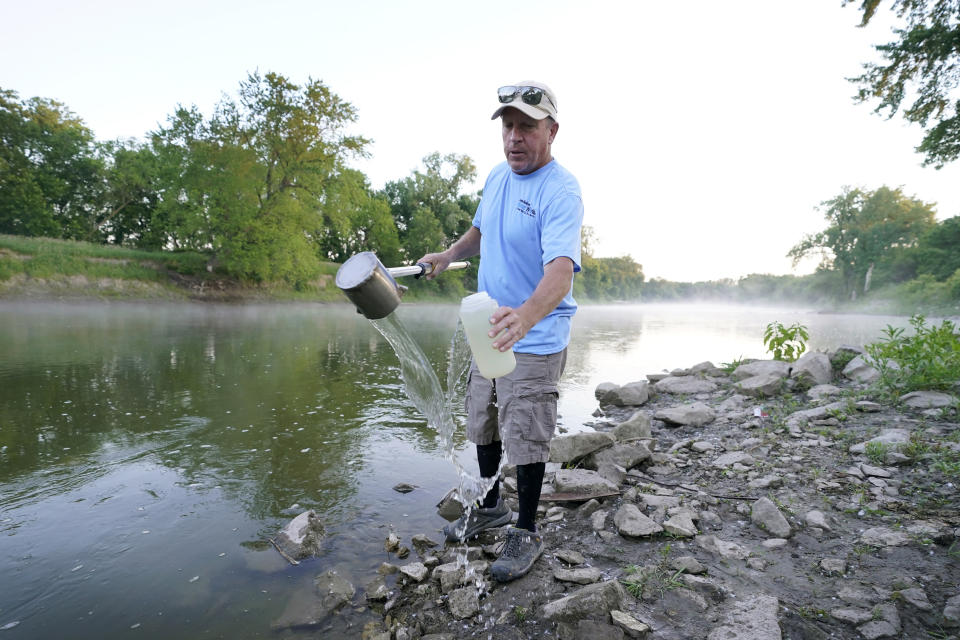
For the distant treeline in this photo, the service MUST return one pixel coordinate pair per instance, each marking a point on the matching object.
(261, 187)
(262, 190)
(879, 248)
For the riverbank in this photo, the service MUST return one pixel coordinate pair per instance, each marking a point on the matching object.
(50, 269)
(771, 501)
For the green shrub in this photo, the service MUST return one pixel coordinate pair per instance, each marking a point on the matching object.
(928, 359)
(786, 343)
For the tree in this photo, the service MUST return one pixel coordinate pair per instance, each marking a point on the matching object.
(924, 63)
(129, 199)
(865, 227)
(49, 172)
(435, 192)
(251, 184)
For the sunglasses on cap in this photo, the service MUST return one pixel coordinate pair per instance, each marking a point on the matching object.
(530, 95)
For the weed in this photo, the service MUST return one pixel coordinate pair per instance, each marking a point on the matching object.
(877, 451)
(786, 343)
(839, 414)
(928, 359)
(730, 367)
(520, 614)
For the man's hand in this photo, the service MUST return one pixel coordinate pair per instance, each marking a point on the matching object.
(440, 262)
(466, 247)
(509, 326)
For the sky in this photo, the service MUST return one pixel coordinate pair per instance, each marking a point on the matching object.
(704, 134)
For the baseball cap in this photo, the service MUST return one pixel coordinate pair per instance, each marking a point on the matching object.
(533, 98)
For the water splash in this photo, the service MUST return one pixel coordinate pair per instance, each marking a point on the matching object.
(423, 388)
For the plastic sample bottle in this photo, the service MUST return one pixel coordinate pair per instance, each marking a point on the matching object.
(475, 312)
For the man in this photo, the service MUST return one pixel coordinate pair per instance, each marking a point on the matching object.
(527, 232)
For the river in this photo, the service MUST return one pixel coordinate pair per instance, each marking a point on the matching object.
(147, 452)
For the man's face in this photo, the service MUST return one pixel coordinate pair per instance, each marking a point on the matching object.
(526, 141)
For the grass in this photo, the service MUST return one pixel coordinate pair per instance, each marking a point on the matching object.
(877, 452)
(58, 261)
(643, 582)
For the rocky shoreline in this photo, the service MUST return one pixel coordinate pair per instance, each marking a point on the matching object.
(774, 500)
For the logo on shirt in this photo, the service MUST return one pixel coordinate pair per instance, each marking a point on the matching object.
(526, 208)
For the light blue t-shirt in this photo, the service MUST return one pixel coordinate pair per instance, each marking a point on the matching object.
(525, 221)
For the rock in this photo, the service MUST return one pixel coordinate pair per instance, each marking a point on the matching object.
(688, 564)
(761, 386)
(392, 543)
(928, 400)
(464, 602)
(696, 414)
(886, 623)
(685, 384)
(867, 407)
(762, 367)
(637, 426)
(775, 543)
(588, 508)
(592, 601)
(702, 446)
(403, 487)
(812, 369)
(450, 508)
(887, 436)
(581, 575)
(875, 472)
(852, 615)
(621, 456)
(878, 629)
(951, 612)
(302, 536)
(632, 394)
(306, 609)
(707, 368)
(816, 518)
(821, 391)
(573, 448)
(632, 627)
(570, 556)
(860, 371)
(884, 537)
(604, 388)
(651, 501)
(376, 590)
(598, 520)
(421, 542)
(771, 481)
(833, 566)
(734, 457)
(416, 571)
(632, 523)
(753, 618)
(582, 481)
(680, 525)
(916, 597)
(587, 630)
(722, 548)
(767, 516)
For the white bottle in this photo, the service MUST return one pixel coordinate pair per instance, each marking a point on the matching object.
(475, 312)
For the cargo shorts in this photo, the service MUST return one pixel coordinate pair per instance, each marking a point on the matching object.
(520, 409)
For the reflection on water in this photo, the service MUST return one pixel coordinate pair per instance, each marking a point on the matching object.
(147, 451)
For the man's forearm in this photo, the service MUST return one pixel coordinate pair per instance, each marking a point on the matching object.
(550, 291)
(467, 246)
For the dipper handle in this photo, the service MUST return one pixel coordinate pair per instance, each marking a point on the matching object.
(422, 269)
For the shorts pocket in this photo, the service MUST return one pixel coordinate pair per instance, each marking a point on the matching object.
(537, 411)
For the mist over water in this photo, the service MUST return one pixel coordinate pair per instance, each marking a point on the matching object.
(144, 445)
